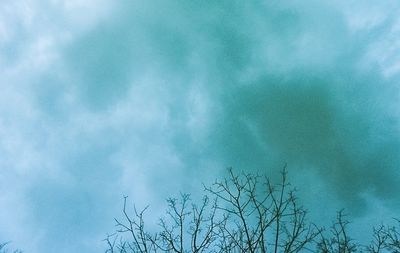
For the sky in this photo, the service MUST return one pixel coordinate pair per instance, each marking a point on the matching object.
(101, 99)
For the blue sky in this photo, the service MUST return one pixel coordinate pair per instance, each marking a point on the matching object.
(101, 99)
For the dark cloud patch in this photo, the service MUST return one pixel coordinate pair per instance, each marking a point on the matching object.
(304, 121)
(288, 80)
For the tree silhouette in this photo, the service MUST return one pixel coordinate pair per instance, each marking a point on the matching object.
(243, 213)
(337, 240)
(385, 239)
(260, 216)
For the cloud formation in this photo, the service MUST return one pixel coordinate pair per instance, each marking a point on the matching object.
(101, 100)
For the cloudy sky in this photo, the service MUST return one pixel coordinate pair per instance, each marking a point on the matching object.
(101, 99)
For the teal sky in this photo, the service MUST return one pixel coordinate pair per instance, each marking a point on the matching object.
(101, 99)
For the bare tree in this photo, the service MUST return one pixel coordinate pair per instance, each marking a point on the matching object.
(392, 234)
(261, 217)
(187, 227)
(338, 239)
(140, 240)
(385, 239)
(241, 213)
